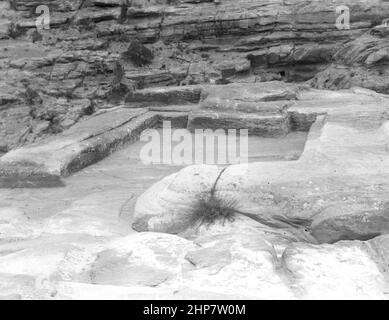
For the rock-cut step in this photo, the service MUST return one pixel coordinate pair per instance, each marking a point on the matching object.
(166, 96)
(262, 109)
(87, 142)
(268, 125)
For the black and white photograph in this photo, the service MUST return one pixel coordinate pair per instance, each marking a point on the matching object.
(194, 150)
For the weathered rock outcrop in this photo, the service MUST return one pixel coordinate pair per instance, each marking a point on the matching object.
(193, 42)
(336, 190)
(231, 261)
(259, 108)
(263, 109)
(44, 163)
(363, 62)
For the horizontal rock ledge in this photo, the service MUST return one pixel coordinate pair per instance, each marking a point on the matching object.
(344, 170)
(44, 163)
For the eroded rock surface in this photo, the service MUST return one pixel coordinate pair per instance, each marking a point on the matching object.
(313, 227)
(363, 62)
(53, 79)
(337, 184)
(304, 210)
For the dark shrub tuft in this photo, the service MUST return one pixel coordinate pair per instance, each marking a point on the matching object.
(138, 54)
(14, 30)
(208, 209)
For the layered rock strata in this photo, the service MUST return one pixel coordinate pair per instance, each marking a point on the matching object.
(52, 79)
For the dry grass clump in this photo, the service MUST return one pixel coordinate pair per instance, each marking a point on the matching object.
(209, 209)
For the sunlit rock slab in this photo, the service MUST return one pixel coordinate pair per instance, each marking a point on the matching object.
(84, 144)
(343, 170)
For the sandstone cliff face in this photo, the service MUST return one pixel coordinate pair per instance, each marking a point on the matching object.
(363, 62)
(51, 80)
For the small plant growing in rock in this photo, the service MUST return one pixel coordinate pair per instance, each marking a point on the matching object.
(36, 36)
(32, 96)
(86, 24)
(118, 73)
(138, 54)
(14, 30)
(118, 89)
(209, 209)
